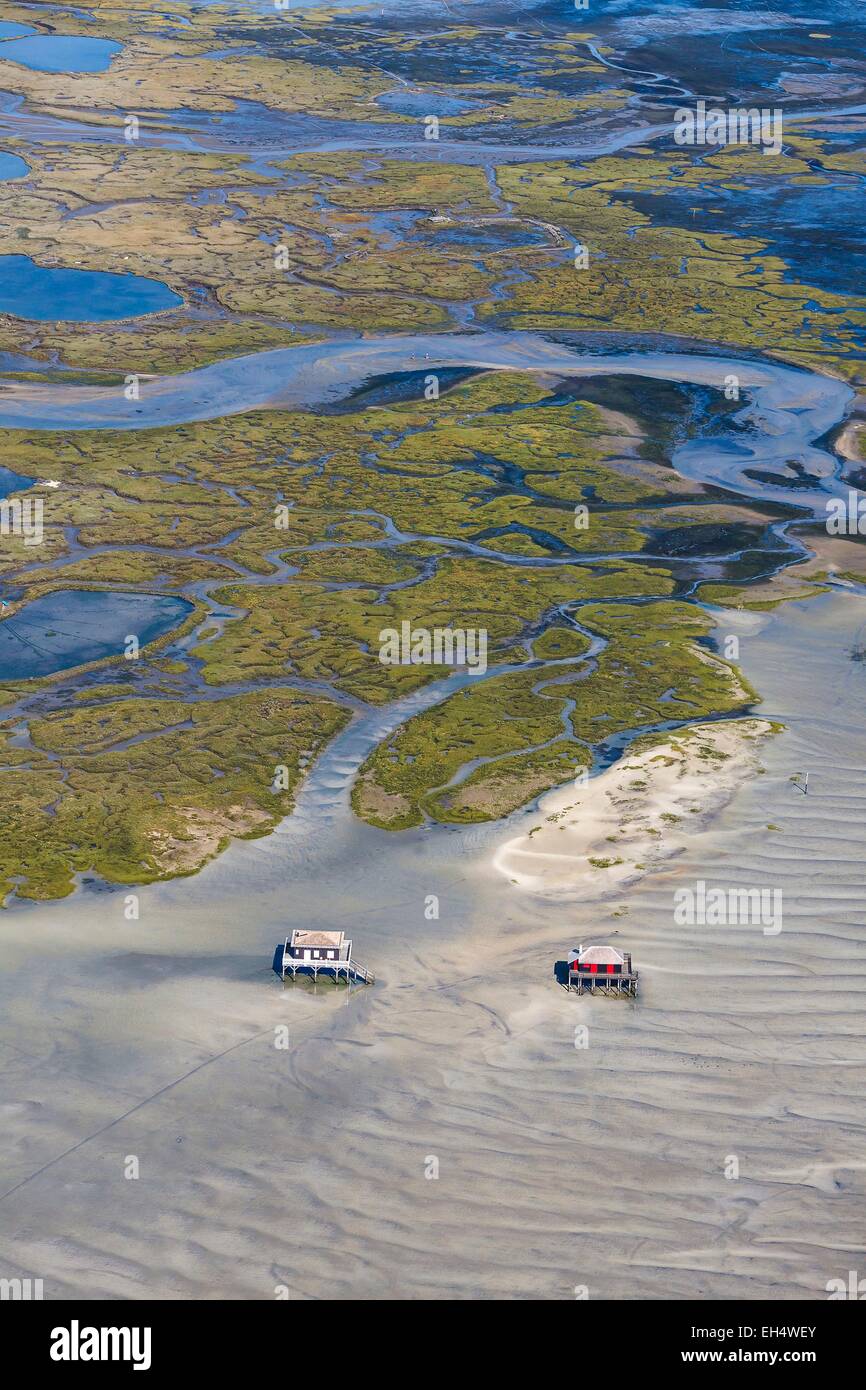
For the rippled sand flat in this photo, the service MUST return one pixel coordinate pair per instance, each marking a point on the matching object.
(599, 836)
(559, 1166)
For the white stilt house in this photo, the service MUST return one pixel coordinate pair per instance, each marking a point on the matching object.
(319, 946)
(313, 951)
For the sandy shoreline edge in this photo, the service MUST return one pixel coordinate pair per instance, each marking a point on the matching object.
(598, 836)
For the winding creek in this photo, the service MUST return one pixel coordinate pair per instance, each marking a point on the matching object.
(786, 410)
(779, 432)
(785, 414)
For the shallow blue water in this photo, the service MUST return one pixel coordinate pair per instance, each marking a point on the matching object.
(407, 102)
(8, 30)
(12, 166)
(73, 626)
(13, 482)
(31, 291)
(60, 52)
(490, 235)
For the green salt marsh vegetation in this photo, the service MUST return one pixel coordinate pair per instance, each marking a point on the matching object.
(333, 635)
(278, 524)
(651, 277)
(312, 246)
(140, 789)
(650, 670)
(547, 515)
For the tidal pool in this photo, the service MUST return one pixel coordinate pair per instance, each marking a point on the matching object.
(407, 101)
(12, 166)
(489, 235)
(73, 626)
(13, 482)
(31, 291)
(60, 52)
(9, 30)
